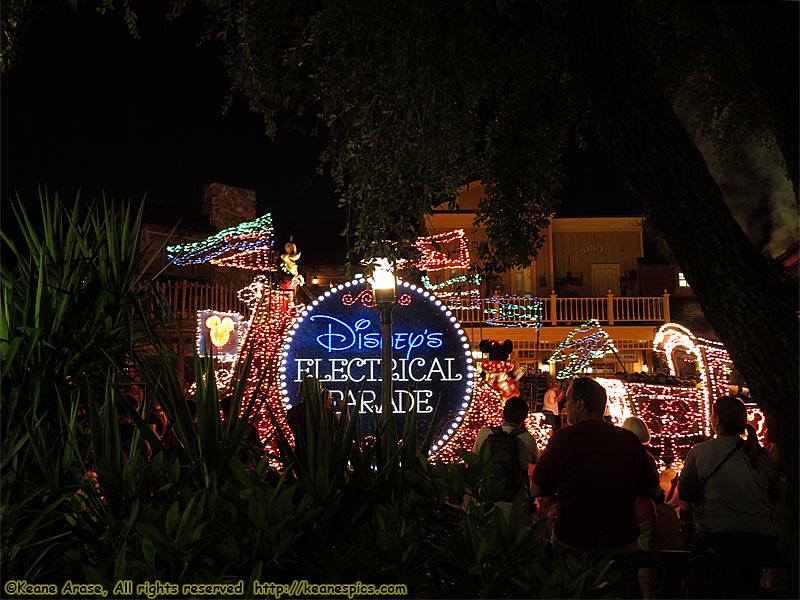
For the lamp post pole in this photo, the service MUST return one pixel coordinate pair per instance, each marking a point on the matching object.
(386, 360)
(385, 293)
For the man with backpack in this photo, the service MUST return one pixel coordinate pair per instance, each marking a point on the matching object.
(511, 450)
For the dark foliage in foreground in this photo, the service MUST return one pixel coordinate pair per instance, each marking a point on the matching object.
(81, 502)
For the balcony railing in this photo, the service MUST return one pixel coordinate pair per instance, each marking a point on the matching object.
(514, 311)
(187, 297)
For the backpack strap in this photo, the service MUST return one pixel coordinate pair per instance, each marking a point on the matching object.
(719, 466)
(514, 432)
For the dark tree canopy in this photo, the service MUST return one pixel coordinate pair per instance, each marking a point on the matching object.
(422, 97)
(417, 98)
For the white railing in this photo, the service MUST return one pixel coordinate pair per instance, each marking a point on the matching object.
(514, 311)
(187, 297)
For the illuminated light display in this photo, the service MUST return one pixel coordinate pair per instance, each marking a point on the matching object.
(757, 418)
(367, 298)
(514, 311)
(456, 298)
(587, 342)
(258, 259)
(674, 415)
(251, 294)
(245, 243)
(619, 404)
(486, 409)
(219, 333)
(220, 329)
(271, 320)
(426, 281)
(337, 339)
(712, 360)
(678, 416)
(468, 299)
(434, 258)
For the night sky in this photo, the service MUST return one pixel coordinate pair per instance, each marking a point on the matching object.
(88, 107)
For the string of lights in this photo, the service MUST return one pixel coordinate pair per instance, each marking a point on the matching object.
(514, 311)
(434, 259)
(428, 285)
(587, 342)
(271, 320)
(468, 299)
(257, 259)
(252, 238)
(251, 294)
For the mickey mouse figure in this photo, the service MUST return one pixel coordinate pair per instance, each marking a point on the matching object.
(499, 369)
(287, 267)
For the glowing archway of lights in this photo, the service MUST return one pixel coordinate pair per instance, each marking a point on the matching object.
(619, 401)
(672, 336)
(667, 340)
(713, 360)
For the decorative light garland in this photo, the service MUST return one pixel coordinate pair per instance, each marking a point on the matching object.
(240, 245)
(587, 342)
(367, 297)
(271, 321)
(619, 401)
(514, 311)
(468, 299)
(434, 259)
(455, 298)
(426, 281)
(251, 294)
(673, 414)
(257, 259)
(712, 360)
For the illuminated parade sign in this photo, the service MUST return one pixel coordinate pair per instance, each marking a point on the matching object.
(337, 339)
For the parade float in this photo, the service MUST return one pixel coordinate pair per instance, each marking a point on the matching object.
(336, 338)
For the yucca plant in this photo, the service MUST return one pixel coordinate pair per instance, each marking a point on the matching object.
(69, 302)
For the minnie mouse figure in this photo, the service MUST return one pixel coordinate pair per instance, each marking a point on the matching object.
(499, 369)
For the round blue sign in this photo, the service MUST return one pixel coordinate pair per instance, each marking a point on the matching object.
(337, 339)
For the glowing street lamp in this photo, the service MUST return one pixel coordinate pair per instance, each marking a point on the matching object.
(384, 289)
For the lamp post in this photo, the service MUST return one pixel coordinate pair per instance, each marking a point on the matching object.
(385, 293)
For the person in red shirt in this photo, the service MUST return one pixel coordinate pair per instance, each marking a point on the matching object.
(596, 470)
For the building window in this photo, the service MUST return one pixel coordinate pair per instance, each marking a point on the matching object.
(522, 281)
(682, 280)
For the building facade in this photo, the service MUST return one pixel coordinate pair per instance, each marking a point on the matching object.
(588, 268)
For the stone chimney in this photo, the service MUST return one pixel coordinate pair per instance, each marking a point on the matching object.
(227, 206)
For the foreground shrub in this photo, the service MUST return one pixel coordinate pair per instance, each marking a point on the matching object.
(81, 503)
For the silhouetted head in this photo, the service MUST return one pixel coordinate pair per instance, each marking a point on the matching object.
(586, 399)
(729, 416)
(515, 410)
(639, 427)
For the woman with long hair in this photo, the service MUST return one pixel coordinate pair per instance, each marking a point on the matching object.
(731, 485)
